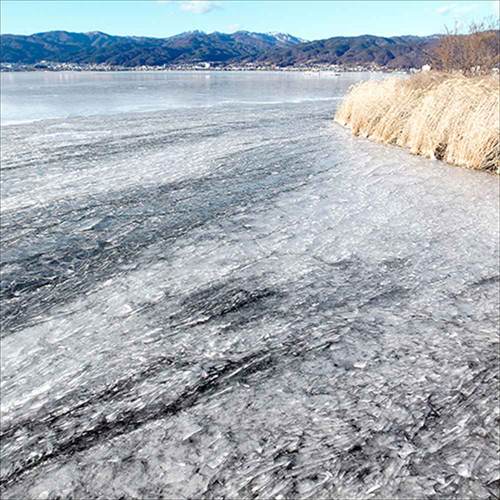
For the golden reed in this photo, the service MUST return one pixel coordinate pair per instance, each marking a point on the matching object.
(448, 117)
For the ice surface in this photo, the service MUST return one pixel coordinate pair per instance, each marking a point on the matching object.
(243, 301)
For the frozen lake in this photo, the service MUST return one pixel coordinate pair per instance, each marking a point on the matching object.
(34, 96)
(209, 289)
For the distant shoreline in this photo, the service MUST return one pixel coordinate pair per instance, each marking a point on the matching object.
(60, 67)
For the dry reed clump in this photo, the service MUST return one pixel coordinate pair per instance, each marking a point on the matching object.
(448, 117)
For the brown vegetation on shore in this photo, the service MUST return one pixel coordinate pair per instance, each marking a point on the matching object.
(451, 114)
(447, 117)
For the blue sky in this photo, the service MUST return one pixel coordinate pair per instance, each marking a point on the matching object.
(307, 19)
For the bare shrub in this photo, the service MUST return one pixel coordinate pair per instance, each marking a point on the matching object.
(475, 52)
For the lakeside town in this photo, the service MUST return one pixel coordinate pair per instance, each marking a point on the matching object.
(200, 66)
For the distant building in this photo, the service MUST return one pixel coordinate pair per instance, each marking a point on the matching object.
(426, 67)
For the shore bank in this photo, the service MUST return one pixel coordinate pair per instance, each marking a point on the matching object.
(446, 117)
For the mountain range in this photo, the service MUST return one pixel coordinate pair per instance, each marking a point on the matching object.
(241, 47)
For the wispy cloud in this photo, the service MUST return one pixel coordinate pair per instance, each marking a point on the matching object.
(443, 10)
(233, 27)
(198, 6)
(456, 10)
(193, 6)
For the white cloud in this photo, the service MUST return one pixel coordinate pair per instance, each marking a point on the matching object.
(198, 6)
(443, 10)
(233, 27)
(456, 10)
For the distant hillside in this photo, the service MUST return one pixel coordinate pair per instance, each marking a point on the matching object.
(97, 47)
(192, 47)
(389, 52)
